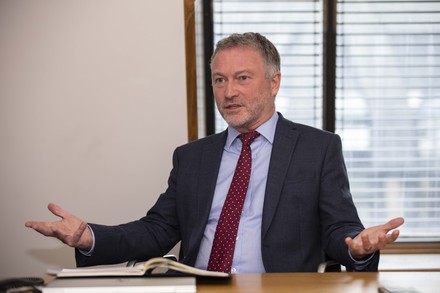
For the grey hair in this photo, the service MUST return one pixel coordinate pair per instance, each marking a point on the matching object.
(256, 41)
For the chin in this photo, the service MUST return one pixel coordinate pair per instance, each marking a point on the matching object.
(239, 125)
(233, 120)
(237, 120)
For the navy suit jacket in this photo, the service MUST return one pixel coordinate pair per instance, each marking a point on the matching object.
(308, 209)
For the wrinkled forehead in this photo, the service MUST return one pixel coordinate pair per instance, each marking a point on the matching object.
(237, 52)
(237, 59)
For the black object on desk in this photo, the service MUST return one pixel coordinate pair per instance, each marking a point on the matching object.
(12, 283)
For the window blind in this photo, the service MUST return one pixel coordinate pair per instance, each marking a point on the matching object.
(295, 27)
(388, 109)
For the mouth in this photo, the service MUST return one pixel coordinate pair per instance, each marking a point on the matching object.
(232, 107)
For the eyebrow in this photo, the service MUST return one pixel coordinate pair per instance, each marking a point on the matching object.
(235, 73)
(243, 71)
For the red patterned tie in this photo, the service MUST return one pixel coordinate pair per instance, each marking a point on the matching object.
(223, 245)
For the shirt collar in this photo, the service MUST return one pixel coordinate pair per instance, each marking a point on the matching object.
(266, 130)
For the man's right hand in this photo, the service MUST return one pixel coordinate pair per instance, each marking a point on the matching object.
(70, 229)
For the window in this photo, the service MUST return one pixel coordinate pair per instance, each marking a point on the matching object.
(388, 109)
(295, 27)
(386, 94)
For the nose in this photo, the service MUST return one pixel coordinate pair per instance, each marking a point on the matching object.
(230, 90)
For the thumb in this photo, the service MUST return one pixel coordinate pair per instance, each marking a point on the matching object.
(57, 210)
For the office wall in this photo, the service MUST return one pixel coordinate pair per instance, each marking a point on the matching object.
(92, 105)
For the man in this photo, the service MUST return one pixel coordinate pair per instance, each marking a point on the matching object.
(297, 210)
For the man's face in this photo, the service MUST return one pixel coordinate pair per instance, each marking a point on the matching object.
(245, 97)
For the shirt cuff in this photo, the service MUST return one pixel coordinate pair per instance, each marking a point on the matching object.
(89, 253)
(360, 265)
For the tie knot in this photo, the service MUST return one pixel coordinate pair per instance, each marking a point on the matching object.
(248, 137)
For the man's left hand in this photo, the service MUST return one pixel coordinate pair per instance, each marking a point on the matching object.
(373, 239)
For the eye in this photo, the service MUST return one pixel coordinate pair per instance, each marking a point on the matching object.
(243, 79)
(219, 81)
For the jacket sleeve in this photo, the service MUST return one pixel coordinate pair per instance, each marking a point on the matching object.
(339, 217)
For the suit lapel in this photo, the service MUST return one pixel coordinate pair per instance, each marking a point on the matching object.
(212, 153)
(282, 150)
(210, 165)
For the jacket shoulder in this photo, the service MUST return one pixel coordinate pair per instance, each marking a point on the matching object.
(302, 129)
(214, 139)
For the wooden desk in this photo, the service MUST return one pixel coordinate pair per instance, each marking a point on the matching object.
(413, 282)
(427, 282)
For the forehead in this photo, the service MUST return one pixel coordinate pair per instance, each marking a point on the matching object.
(237, 59)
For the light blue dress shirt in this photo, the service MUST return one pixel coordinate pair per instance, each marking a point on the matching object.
(247, 254)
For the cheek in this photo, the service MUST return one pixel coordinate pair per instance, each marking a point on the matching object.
(218, 95)
(262, 95)
(251, 94)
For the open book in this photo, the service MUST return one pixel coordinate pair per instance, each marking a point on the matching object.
(139, 269)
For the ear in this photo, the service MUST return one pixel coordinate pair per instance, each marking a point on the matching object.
(275, 82)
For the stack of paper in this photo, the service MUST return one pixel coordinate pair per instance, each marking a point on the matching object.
(122, 285)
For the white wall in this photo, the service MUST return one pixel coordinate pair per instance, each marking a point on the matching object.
(88, 91)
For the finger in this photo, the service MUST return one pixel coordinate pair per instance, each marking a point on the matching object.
(44, 228)
(393, 223)
(349, 242)
(351, 245)
(366, 244)
(356, 247)
(382, 241)
(393, 236)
